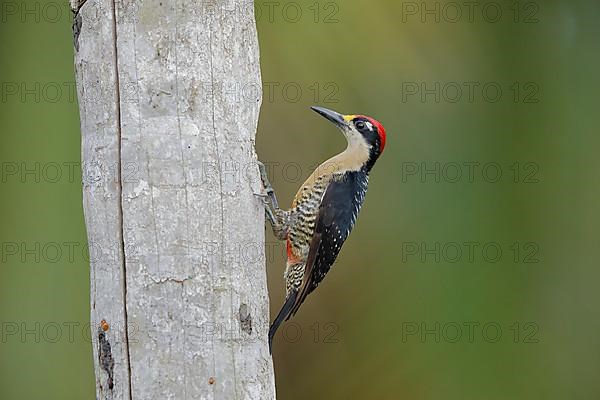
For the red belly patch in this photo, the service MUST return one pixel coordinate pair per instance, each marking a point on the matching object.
(292, 258)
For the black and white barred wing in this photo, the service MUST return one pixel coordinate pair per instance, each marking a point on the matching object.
(335, 219)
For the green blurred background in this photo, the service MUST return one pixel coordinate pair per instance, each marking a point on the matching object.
(385, 323)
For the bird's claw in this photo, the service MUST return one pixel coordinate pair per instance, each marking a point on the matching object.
(261, 195)
(268, 188)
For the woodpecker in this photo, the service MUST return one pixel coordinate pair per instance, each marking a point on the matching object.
(324, 210)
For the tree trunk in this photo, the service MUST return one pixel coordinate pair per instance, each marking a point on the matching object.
(169, 97)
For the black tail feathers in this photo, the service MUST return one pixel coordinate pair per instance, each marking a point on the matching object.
(283, 313)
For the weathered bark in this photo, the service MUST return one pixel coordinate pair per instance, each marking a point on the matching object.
(169, 95)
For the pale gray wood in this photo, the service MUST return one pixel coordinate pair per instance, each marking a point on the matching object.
(169, 95)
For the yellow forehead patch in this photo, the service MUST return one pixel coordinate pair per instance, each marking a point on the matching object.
(349, 118)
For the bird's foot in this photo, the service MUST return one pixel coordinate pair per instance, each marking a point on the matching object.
(268, 188)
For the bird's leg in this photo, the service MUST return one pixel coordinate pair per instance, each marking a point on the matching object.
(268, 194)
(267, 185)
(276, 216)
(281, 226)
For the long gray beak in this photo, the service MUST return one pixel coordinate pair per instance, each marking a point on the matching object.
(335, 117)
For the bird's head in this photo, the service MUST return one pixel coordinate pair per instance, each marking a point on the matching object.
(362, 133)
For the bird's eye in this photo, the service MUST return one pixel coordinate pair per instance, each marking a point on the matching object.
(360, 125)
